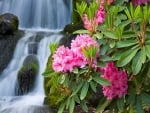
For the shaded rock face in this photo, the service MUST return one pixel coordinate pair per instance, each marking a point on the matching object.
(8, 23)
(7, 47)
(27, 75)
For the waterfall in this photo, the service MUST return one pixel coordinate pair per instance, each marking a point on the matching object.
(41, 21)
(8, 99)
(47, 14)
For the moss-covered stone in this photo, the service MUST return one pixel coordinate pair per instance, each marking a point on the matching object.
(26, 75)
(8, 23)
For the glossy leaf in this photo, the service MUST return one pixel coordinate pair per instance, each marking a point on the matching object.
(126, 57)
(72, 105)
(102, 105)
(81, 32)
(61, 108)
(139, 107)
(84, 106)
(98, 35)
(145, 98)
(147, 50)
(126, 43)
(110, 35)
(93, 86)
(101, 80)
(84, 90)
(136, 63)
(120, 104)
(77, 89)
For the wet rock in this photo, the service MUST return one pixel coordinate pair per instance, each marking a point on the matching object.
(32, 48)
(27, 75)
(8, 23)
(7, 47)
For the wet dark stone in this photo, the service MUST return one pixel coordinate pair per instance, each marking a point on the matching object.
(32, 48)
(27, 75)
(7, 47)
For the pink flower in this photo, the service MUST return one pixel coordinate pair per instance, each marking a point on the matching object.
(82, 41)
(100, 15)
(118, 79)
(139, 2)
(63, 60)
(89, 24)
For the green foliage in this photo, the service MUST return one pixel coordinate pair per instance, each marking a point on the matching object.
(124, 38)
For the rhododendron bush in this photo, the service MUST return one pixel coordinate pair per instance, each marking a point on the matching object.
(110, 56)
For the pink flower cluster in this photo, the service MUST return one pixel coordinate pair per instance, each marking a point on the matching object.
(63, 60)
(66, 59)
(139, 2)
(89, 24)
(118, 80)
(100, 14)
(97, 19)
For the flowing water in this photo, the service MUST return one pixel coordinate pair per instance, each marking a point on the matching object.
(50, 14)
(36, 17)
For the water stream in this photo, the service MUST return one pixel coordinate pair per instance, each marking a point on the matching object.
(44, 17)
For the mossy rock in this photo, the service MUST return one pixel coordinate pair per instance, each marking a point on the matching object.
(8, 23)
(27, 75)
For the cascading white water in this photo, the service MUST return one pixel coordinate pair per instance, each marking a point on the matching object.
(50, 14)
(36, 96)
(8, 77)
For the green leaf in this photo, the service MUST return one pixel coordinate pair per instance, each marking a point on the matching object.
(126, 57)
(139, 108)
(147, 50)
(143, 55)
(112, 44)
(101, 80)
(68, 102)
(77, 89)
(128, 14)
(72, 105)
(75, 70)
(98, 35)
(128, 34)
(136, 64)
(84, 90)
(126, 43)
(120, 104)
(145, 98)
(105, 58)
(76, 98)
(110, 35)
(104, 49)
(61, 108)
(131, 99)
(102, 105)
(53, 47)
(93, 86)
(48, 73)
(81, 32)
(137, 11)
(84, 106)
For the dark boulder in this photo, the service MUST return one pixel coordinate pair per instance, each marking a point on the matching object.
(7, 47)
(27, 75)
(8, 23)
